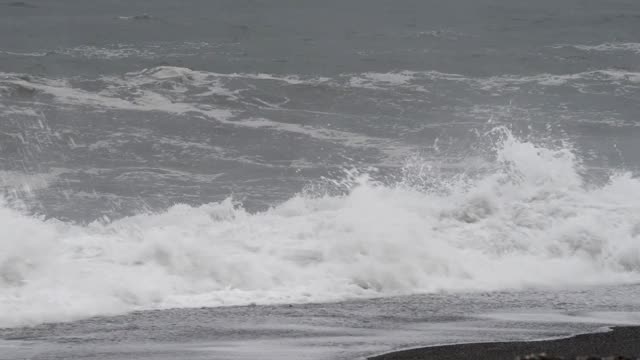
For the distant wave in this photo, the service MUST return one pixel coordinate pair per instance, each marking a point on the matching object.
(121, 51)
(27, 54)
(112, 52)
(606, 47)
(225, 98)
(419, 80)
(177, 89)
(529, 220)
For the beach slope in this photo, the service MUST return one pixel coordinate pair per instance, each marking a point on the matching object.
(621, 341)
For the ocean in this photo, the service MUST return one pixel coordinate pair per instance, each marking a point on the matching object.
(314, 179)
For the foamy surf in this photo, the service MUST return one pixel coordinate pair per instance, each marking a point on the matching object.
(530, 221)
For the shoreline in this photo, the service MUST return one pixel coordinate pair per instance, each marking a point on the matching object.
(620, 341)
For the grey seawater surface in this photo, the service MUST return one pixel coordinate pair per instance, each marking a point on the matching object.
(345, 330)
(113, 108)
(117, 107)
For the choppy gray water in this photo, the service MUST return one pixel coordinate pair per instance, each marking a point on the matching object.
(159, 155)
(120, 104)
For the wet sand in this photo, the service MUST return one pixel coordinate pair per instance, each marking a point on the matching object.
(622, 341)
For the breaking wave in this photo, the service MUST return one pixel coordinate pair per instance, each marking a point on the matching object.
(529, 220)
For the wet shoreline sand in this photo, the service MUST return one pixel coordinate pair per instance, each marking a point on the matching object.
(621, 341)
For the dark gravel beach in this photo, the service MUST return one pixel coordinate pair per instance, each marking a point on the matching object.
(622, 341)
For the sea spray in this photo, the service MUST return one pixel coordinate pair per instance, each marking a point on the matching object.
(529, 219)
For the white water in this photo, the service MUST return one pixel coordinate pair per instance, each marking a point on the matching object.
(529, 222)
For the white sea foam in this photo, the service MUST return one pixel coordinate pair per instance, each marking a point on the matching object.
(164, 88)
(398, 79)
(143, 100)
(371, 80)
(529, 222)
(610, 76)
(180, 90)
(177, 90)
(202, 77)
(421, 80)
